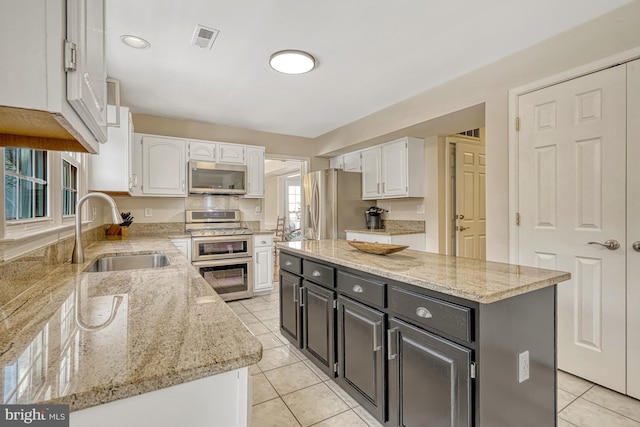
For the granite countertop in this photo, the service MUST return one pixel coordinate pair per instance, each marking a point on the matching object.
(385, 231)
(263, 232)
(85, 339)
(475, 280)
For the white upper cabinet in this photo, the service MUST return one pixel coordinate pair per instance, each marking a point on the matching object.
(203, 150)
(371, 173)
(394, 169)
(111, 171)
(255, 172)
(34, 109)
(352, 162)
(86, 65)
(164, 166)
(231, 153)
(336, 162)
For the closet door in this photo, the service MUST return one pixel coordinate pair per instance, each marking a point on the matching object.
(572, 179)
(633, 228)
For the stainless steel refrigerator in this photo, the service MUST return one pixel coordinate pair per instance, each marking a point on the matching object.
(332, 204)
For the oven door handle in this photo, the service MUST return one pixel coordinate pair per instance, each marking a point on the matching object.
(224, 261)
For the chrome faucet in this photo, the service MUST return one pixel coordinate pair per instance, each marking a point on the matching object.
(78, 252)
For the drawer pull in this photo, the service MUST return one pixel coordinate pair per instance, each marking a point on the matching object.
(424, 313)
(357, 289)
(264, 242)
(288, 263)
(316, 273)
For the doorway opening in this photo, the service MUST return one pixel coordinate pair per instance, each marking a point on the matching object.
(283, 195)
(465, 209)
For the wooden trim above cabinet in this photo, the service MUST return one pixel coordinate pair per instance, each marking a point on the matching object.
(38, 129)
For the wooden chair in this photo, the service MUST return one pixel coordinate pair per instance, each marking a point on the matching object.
(278, 236)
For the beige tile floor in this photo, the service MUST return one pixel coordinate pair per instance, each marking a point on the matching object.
(288, 390)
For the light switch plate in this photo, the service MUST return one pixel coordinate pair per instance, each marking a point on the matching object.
(148, 211)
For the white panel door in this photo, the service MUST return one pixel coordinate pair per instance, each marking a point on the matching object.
(633, 228)
(571, 192)
(470, 201)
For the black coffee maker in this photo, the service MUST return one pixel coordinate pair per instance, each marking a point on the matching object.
(372, 217)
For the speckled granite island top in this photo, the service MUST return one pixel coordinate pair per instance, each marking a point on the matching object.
(480, 281)
(86, 339)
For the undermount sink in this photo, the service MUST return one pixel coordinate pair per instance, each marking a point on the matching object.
(128, 262)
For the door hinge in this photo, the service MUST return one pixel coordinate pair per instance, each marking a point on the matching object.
(70, 56)
(517, 218)
(472, 370)
(335, 367)
(517, 124)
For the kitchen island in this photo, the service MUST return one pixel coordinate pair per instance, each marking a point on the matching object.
(420, 338)
(132, 348)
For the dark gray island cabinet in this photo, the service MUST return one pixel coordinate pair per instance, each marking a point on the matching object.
(423, 339)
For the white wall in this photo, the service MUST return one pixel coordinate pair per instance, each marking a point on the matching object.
(489, 85)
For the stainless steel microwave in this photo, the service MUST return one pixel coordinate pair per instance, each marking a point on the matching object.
(216, 178)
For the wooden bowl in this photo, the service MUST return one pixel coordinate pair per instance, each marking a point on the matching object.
(376, 248)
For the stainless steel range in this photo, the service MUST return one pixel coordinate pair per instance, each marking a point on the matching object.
(222, 251)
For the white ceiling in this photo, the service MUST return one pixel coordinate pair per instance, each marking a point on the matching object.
(371, 54)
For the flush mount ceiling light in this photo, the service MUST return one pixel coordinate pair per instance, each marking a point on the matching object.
(292, 62)
(135, 42)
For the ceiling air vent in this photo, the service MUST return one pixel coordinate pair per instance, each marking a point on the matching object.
(204, 37)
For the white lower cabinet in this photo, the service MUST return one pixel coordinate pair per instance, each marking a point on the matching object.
(218, 400)
(262, 263)
(184, 245)
(416, 241)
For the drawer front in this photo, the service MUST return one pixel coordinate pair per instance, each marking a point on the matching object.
(362, 289)
(433, 313)
(318, 273)
(290, 263)
(262, 241)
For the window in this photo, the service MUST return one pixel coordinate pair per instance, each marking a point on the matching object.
(25, 183)
(69, 187)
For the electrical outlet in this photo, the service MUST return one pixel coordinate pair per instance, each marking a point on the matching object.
(148, 211)
(93, 212)
(523, 366)
(420, 209)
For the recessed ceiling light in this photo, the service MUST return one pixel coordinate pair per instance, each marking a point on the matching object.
(292, 62)
(135, 42)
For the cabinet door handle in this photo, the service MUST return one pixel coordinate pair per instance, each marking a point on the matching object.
(295, 294)
(301, 297)
(390, 332)
(376, 345)
(357, 289)
(383, 187)
(424, 313)
(183, 185)
(316, 273)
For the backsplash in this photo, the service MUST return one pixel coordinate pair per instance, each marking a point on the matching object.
(396, 224)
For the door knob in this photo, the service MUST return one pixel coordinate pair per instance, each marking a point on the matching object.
(461, 228)
(610, 244)
(636, 246)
